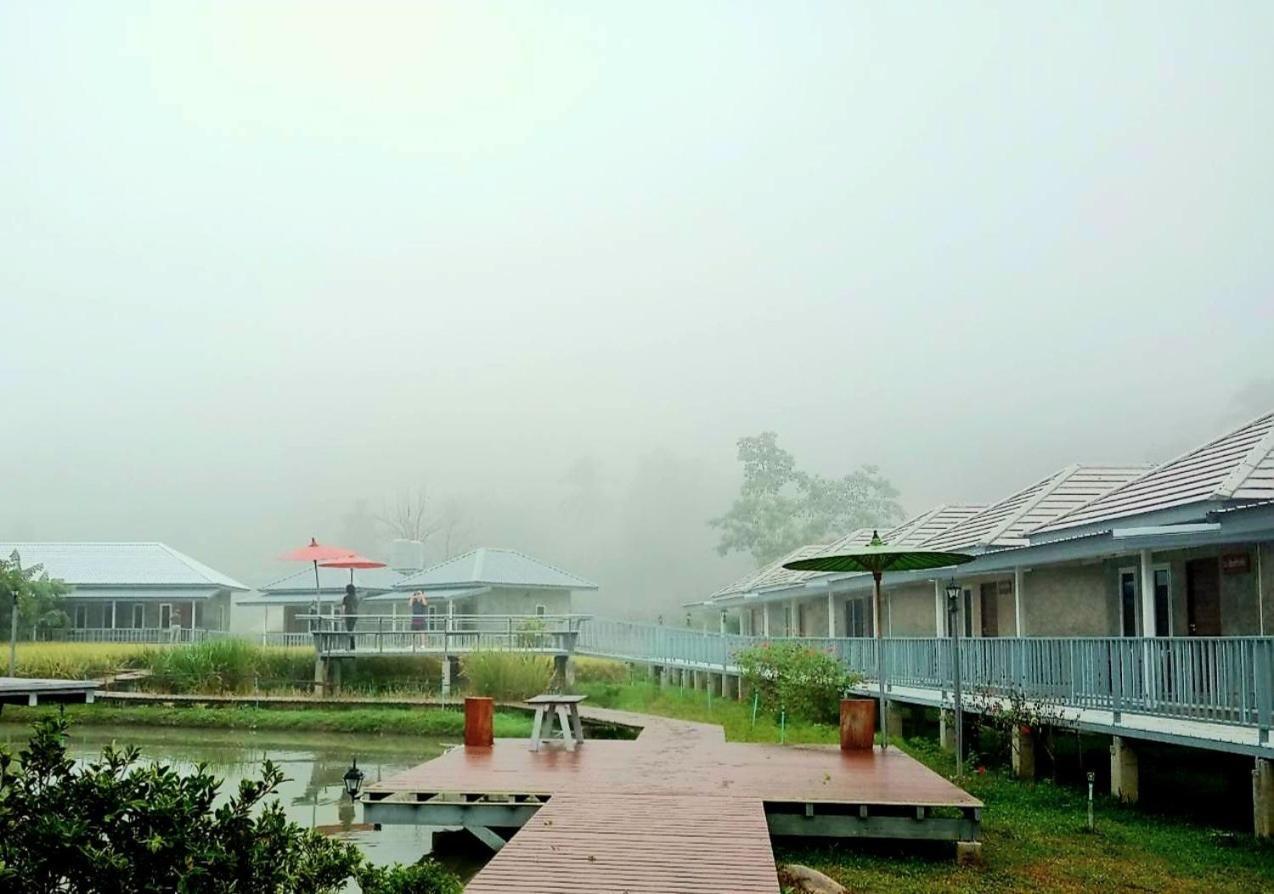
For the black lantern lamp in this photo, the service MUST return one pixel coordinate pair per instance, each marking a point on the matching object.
(954, 622)
(353, 780)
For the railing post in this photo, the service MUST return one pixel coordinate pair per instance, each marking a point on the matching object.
(1116, 679)
(1263, 668)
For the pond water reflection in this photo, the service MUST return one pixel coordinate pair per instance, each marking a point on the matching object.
(313, 795)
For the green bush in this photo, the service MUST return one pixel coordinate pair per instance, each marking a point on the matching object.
(797, 679)
(116, 824)
(508, 676)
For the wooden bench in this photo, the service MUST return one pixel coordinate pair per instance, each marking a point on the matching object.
(566, 709)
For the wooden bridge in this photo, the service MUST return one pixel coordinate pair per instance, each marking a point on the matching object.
(678, 809)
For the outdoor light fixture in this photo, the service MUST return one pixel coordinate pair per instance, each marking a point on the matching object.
(954, 591)
(353, 780)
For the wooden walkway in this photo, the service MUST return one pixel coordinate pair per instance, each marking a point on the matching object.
(677, 810)
(32, 690)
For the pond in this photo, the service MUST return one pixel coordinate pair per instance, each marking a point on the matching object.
(314, 763)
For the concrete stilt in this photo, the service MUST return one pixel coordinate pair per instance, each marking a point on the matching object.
(1123, 770)
(320, 676)
(946, 730)
(1023, 753)
(446, 676)
(563, 671)
(894, 720)
(969, 853)
(334, 677)
(1263, 798)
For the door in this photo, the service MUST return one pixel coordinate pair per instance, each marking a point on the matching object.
(1203, 597)
(857, 617)
(139, 615)
(165, 615)
(1127, 602)
(990, 609)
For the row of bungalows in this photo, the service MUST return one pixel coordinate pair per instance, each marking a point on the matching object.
(1182, 549)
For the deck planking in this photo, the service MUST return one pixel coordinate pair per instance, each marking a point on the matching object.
(677, 810)
(31, 690)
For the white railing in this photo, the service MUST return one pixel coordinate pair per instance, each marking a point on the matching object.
(150, 635)
(1220, 679)
(443, 634)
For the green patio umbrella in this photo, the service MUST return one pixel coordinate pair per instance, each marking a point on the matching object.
(875, 559)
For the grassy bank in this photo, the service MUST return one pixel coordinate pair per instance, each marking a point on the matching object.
(1034, 835)
(433, 722)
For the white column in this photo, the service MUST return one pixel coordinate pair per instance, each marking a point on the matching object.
(831, 614)
(1018, 577)
(192, 614)
(112, 614)
(939, 607)
(723, 623)
(765, 619)
(1147, 595)
(794, 620)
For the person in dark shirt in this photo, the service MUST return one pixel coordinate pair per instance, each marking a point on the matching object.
(351, 611)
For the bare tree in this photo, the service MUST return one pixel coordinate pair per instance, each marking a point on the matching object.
(411, 516)
(453, 530)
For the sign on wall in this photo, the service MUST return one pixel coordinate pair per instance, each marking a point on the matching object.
(1236, 563)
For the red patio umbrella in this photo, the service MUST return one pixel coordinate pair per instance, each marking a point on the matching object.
(316, 552)
(352, 561)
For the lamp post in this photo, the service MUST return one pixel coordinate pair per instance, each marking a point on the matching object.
(353, 780)
(953, 625)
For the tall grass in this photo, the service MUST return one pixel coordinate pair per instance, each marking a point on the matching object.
(78, 661)
(508, 676)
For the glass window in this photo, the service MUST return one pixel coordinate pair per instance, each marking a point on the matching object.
(1163, 591)
(540, 611)
(1128, 602)
(139, 615)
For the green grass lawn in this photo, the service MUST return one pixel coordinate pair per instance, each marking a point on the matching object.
(1034, 836)
(431, 722)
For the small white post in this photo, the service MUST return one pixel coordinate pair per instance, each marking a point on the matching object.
(1147, 595)
(1018, 578)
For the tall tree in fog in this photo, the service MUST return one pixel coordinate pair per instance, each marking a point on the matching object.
(780, 507)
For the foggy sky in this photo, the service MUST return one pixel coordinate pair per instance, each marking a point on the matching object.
(259, 262)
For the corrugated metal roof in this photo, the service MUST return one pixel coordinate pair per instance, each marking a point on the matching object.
(1235, 466)
(493, 568)
(146, 594)
(1007, 522)
(120, 564)
(333, 580)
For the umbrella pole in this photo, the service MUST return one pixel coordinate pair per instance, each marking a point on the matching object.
(880, 663)
(318, 595)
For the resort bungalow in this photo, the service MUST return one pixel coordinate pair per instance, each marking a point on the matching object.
(486, 581)
(134, 592)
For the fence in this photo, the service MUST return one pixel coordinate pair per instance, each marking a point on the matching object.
(1218, 679)
(151, 635)
(443, 635)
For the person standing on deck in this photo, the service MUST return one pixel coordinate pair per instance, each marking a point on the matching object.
(351, 611)
(419, 608)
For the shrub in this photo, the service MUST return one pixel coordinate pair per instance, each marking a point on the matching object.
(507, 676)
(600, 670)
(149, 828)
(795, 678)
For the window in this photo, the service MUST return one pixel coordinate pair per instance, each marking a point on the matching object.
(139, 615)
(858, 617)
(1163, 602)
(540, 611)
(165, 615)
(81, 616)
(1128, 601)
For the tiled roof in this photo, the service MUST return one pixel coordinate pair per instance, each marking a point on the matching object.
(333, 580)
(120, 565)
(493, 568)
(1007, 522)
(771, 574)
(1238, 465)
(928, 525)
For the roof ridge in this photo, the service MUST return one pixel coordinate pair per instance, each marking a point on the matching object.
(1049, 486)
(1246, 466)
(1154, 470)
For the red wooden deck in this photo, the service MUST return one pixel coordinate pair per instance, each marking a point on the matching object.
(677, 810)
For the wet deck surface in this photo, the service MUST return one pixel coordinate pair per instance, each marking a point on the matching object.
(677, 810)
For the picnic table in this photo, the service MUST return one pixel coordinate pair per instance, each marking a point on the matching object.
(566, 709)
